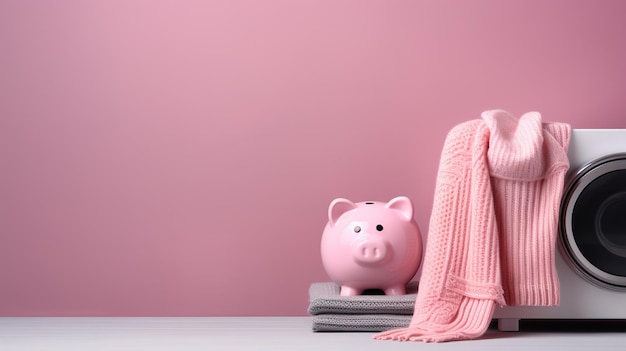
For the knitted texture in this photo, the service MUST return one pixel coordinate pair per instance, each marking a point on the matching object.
(527, 161)
(325, 298)
(492, 229)
(358, 322)
(332, 312)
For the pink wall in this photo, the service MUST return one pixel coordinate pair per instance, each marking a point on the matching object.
(178, 157)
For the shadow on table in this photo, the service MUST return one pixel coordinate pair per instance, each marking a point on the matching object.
(569, 326)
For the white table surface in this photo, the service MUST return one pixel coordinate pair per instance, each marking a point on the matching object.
(267, 333)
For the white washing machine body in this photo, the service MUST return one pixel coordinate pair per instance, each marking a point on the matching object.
(582, 295)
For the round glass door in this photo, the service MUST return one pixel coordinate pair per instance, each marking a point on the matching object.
(593, 221)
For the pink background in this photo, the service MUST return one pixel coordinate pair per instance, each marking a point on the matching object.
(178, 157)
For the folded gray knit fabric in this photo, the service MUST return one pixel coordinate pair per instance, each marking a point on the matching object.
(325, 298)
(359, 322)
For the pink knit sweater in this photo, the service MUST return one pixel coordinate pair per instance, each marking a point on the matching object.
(493, 226)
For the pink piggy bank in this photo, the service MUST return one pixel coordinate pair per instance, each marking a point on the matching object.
(371, 245)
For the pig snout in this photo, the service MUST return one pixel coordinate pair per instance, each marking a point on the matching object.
(372, 250)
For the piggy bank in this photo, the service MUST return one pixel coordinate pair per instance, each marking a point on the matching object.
(371, 245)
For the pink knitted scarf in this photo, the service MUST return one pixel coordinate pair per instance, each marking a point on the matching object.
(492, 231)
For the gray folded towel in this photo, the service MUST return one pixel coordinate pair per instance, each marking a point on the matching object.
(359, 322)
(325, 298)
(332, 312)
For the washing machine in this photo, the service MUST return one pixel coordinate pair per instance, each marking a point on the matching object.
(591, 247)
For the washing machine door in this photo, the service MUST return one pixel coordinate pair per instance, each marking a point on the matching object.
(593, 221)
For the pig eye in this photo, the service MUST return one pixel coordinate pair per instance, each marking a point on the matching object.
(357, 229)
(379, 228)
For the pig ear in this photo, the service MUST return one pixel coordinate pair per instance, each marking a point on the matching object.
(337, 208)
(402, 204)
